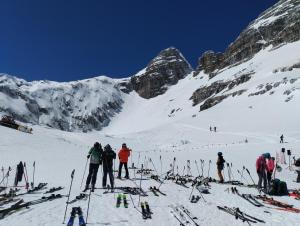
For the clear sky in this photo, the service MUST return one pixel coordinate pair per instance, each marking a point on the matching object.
(65, 40)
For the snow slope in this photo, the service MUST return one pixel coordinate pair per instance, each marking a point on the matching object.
(273, 67)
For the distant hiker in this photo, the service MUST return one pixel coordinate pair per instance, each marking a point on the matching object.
(215, 129)
(220, 166)
(123, 155)
(281, 138)
(107, 159)
(95, 155)
(261, 167)
(297, 169)
(270, 169)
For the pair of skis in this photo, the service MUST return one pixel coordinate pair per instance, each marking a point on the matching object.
(120, 198)
(20, 204)
(238, 214)
(76, 211)
(183, 215)
(156, 191)
(81, 196)
(248, 197)
(195, 199)
(146, 212)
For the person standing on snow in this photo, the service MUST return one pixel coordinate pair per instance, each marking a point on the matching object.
(220, 166)
(281, 138)
(107, 159)
(123, 155)
(95, 155)
(270, 169)
(261, 167)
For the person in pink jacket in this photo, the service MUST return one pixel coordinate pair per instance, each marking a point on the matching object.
(270, 169)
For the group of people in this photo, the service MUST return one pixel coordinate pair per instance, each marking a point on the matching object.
(213, 129)
(265, 165)
(105, 157)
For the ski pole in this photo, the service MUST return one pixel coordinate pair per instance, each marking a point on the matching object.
(26, 176)
(2, 169)
(197, 167)
(32, 184)
(202, 166)
(153, 166)
(141, 184)
(88, 208)
(72, 177)
(208, 168)
(160, 165)
(228, 171)
(84, 172)
(250, 176)
(174, 160)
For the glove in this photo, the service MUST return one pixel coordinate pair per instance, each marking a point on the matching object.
(88, 156)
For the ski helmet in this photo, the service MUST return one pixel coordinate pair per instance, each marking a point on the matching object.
(107, 147)
(220, 153)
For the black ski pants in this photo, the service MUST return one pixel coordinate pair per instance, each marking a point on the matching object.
(126, 169)
(93, 170)
(109, 171)
(262, 178)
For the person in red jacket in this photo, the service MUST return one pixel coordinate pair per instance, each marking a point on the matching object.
(270, 169)
(124, 154)
(261, 168)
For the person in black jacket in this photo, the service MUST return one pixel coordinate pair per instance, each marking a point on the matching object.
(107, 159)
(220, 166)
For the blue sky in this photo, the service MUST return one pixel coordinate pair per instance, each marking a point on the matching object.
(66, 40)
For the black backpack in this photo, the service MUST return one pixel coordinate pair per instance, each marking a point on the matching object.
(278, 188)
(297, 163)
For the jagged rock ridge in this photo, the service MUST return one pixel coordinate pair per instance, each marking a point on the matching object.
(164, 70)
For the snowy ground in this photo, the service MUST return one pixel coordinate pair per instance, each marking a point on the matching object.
(56, 153)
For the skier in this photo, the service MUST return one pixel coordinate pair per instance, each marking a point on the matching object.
(261, 167)
(270, 169)
(215, 129)
(123, 155)
(281, 138)
(107, 158)
(210, 128)
(220, 166)
(95, 155)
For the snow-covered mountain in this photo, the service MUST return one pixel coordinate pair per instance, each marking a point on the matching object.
(262, 64)
(84, 105)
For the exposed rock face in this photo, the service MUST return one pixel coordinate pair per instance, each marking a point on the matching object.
(206, 92)
(210, 61)
(164, 70)
(82, 105)
(212, 101)
(279, 24)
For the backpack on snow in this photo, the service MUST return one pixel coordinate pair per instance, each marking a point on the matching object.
(297, 163)
(278, 188)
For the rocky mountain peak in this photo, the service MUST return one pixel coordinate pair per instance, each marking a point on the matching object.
(277, 25)
(164, 70)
